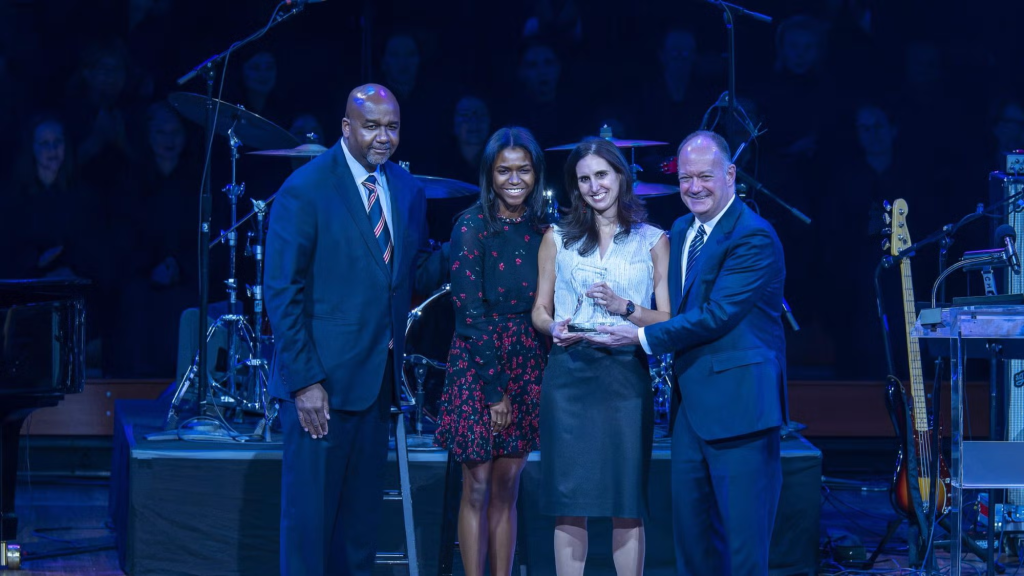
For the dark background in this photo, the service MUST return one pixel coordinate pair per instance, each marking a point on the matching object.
(861, 100)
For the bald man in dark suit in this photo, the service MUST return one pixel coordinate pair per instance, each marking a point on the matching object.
(347, 237)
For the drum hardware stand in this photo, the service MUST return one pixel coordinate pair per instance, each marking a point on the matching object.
(421, 363)
(257, 379)
(234, 192)
(634, 168)
(258, 393)
(253, 398)
(207, 69)
(661, 377)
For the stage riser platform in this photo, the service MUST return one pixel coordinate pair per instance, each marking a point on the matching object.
(202, 509)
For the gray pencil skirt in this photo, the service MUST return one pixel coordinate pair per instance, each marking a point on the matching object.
(596, 430)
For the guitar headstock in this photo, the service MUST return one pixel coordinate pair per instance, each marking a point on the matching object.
(896, 227)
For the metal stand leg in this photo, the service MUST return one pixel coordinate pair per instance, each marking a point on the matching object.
(404, 493)
(246, 355)
(403, 473)
(449, 515)
(521, 556)
(10, 434)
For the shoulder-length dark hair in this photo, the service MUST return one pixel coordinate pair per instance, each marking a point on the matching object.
(580, 226)
(511, 137)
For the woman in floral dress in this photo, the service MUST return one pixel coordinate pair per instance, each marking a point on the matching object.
(491, 401)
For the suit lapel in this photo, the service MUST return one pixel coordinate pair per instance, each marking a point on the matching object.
(688, 281)
(713, 249)
(399, 215)
(675, 268)
(345, 185)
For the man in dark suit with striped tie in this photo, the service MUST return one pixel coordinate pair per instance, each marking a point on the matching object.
(347, 237)
(726, 276)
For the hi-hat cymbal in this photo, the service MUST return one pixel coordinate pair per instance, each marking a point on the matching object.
(619, 142)
(653, 189)
(302, 151)
(253, 130)
(446, 188)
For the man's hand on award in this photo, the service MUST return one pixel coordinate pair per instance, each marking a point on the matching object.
(314, 412)
(561, 335)
(619, 335)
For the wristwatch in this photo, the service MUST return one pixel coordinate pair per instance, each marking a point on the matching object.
(630, 308)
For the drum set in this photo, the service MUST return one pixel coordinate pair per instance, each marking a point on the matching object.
(242, 339)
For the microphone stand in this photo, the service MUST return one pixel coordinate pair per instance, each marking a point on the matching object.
(758, 187)
(730, 100)
(207, 69)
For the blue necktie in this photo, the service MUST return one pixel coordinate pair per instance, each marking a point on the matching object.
(376, 214)
(694, 251)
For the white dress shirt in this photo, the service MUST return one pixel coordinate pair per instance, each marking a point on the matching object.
(383, 192)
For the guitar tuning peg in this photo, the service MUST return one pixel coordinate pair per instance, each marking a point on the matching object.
(887, 231)
(886, 218)
(886, 245)
(886, 205)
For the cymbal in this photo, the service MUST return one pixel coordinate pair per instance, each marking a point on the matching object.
(302, 151)
(619, 142)
(253, 130)
(446, 188)
(653, 189)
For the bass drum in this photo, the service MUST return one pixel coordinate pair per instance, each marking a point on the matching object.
(428, 337)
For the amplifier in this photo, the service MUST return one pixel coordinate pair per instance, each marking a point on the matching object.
(1015, 162)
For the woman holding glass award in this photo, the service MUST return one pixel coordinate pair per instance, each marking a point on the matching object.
(600, 265)
(490, 405)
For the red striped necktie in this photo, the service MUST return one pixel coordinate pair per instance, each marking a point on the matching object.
(375, 211)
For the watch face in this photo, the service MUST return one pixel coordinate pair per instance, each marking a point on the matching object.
(630, 308)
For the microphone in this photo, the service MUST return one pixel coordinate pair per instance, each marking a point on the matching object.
(1008, 236)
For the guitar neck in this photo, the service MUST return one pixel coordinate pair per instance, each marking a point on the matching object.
(919, 408)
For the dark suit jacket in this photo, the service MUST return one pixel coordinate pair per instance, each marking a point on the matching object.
(332, 301)
(726, 330)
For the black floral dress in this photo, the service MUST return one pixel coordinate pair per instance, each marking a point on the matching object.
(495, 350)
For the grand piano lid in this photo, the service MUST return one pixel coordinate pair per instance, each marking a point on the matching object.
(28, 284)
(42, 341)
(41, 290)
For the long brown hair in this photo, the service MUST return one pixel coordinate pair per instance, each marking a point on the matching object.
(580, 226)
